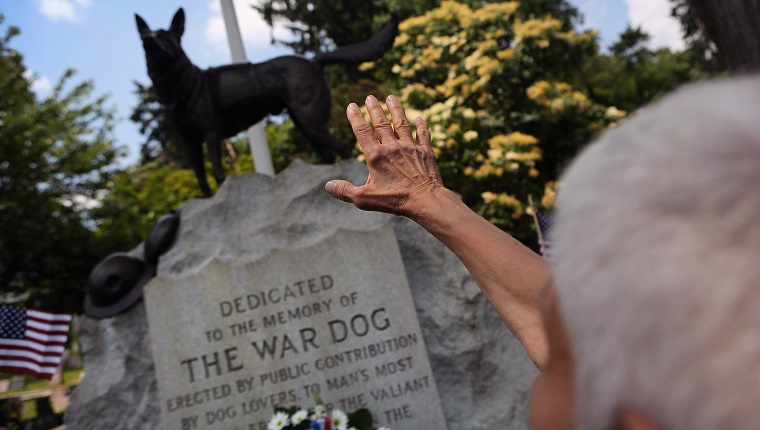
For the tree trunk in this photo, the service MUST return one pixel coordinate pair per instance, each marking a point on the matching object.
(734, 26)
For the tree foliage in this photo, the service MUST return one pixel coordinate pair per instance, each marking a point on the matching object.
(693, 32)
(512, 92)
(56, 155)
(632, 75)
(136, 197)
(703, 48)
(320, 25)
(161, 139)
(734, 28)
(696, 37)
(495, 88)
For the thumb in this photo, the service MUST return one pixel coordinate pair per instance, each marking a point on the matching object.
(341, 189)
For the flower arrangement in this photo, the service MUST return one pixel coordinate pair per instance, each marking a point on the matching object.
(318, 419)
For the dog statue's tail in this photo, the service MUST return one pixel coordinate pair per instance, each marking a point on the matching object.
(369, 50)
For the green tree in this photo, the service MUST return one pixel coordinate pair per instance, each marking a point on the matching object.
(693, 32)
(56, 154)
(161, 140)
(134, 199)
(697, 40)
(559, 9)
(632, 75)
(321, 25)
(137, 197)
(728, 28)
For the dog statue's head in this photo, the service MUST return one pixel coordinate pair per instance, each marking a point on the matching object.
(163, 45)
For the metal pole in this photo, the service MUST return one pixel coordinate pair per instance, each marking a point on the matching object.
(257, 140)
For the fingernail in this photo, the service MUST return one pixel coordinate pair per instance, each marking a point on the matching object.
(392, 100)
(353, 107)
(371, 98)
(330, 187)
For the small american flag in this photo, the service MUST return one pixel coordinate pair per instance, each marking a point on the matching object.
(31, 341)
(543, 227)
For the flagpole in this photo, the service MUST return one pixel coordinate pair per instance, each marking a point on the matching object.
(257, 140)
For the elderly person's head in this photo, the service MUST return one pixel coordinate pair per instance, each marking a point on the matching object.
(657, 269)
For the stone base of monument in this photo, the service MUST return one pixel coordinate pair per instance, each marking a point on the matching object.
(279, 258)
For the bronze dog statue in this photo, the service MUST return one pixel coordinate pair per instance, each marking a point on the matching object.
(210, 105)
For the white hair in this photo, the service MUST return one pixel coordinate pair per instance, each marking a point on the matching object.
(657, 263)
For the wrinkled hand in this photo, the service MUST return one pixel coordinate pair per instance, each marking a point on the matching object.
(402, 169)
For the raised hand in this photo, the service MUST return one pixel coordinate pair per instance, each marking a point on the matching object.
(402, 168)
(404, 180)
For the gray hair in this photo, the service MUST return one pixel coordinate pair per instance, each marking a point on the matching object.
(657, 263)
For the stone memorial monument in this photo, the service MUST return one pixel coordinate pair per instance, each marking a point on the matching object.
(335, 318)
(274, 290)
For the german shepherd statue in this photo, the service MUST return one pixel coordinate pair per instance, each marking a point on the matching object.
(213, 104)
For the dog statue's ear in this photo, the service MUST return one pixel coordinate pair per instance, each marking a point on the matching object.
(178, 23)
(142, 26)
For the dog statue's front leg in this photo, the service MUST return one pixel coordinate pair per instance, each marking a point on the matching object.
(195, 155)
(214, 144)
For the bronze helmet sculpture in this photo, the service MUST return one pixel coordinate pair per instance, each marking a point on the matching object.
(116, 283)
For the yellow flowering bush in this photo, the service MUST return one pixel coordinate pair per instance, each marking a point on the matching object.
(496, 89)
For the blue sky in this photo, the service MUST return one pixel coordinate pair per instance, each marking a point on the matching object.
(99, 39)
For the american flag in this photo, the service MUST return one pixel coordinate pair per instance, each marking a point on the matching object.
(32, 341)
(543, 227)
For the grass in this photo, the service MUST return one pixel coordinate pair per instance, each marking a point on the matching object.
(70, 377)
(34, 385)
(30, 410)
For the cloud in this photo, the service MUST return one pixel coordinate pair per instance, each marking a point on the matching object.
(654, 17)
(253, 29)
(63, 10)
(40, 84)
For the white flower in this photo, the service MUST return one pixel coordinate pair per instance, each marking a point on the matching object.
(278, 421)
(383, 428)
(299, 416)
(339, 420)
(319, 412)
(470, 135)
